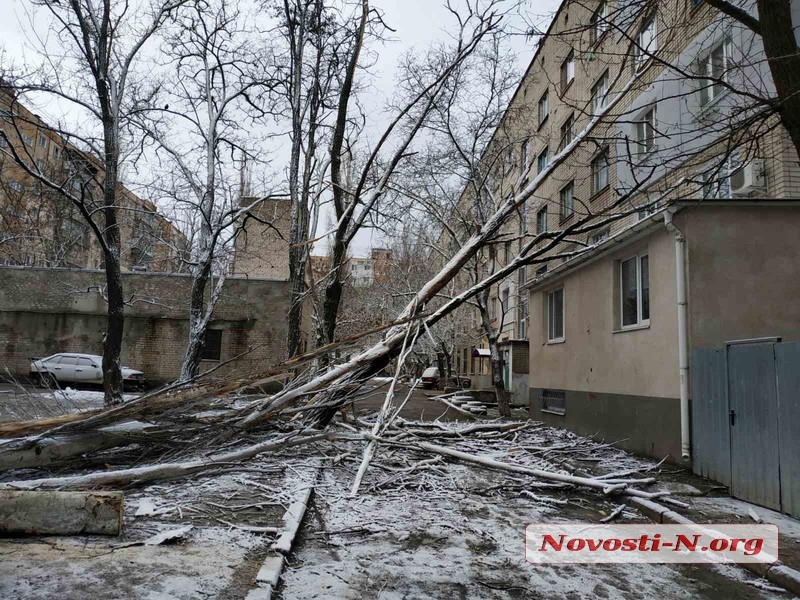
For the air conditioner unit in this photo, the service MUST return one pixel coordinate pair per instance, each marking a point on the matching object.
(749, 178)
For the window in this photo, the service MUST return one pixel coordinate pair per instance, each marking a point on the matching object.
(555, 316)
(504, 300)
(3, 142)
(28, 140)
(646, 133)
(717, 180)
(16, 186)
(567, 131)
(713, 67)
(599, 236)
(507, 252)
(567, 71)
(634, 276)
(599, 22)
(544, 109)
(68, 360)
(554, 401)
(523, 218)
(85, 362)
(212, 345)
(566, 201)
(525, 156)
(648, 208)
(42, 141)
(645, 44)
(600, 172)
(522, 315)
(543, 159)
(600, 94)
(541, 271)
(541, 220)
(56, 151)
(5, 114)
(493, 309)
(40, 165)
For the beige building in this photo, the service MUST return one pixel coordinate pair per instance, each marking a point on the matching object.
(262, 247)
(627, 131)
(40, 227)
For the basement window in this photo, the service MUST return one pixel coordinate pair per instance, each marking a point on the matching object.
(554, 402)
(212, 345)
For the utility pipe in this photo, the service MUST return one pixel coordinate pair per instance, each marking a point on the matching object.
(683, 338)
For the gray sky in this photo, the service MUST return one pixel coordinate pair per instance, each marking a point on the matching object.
(417, 23)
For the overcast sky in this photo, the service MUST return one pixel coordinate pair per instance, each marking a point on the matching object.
(417, 23)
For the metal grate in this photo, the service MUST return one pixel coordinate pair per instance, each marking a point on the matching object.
(554, 401)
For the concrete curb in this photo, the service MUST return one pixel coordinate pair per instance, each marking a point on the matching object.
(270, 572)
(776, 572)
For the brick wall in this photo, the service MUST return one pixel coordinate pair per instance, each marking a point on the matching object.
(44, 311)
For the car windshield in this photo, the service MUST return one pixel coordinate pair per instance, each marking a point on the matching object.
(431, 372)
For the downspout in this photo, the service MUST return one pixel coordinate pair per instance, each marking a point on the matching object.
(683, 338)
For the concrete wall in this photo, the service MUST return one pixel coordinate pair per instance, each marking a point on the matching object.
(618, 384)
(743, 273)
(44, 311)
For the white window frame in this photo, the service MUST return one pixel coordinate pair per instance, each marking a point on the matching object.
(16, 186)
(600, 24)
(543, 107)
(708, 94)
(640, 320)
(26, 139)
(539, 213)
(567, 72)
(567, 127)
(600, 93)
(596, 189)
(551, 337)
(643, 47)
(543, 159)
(645, 133)
(525, 152)
(567, 209)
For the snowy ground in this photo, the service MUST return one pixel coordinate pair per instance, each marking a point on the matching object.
(27, 402)
(416, 530)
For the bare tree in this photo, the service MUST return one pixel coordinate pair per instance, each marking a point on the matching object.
(92, 69)
(198, 122)
(355, 206)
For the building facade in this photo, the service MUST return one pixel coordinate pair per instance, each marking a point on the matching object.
(41, 227)
(649, 185)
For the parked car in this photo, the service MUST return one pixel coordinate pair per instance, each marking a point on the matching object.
(78, 369)
(431, 379)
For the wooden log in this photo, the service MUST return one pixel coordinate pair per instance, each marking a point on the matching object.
(60, 513)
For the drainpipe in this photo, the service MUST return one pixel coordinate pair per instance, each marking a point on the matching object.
(683, 339)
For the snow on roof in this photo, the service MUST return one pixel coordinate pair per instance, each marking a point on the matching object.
(481, 352)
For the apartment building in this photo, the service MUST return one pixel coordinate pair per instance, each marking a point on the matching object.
(667, 209)
(40, 227)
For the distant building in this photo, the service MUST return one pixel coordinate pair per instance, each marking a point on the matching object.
(40, 227)
(358, 272)
(262, 247)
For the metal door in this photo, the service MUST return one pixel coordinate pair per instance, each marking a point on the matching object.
(753, 415)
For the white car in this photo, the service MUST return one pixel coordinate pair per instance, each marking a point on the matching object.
(70, 368)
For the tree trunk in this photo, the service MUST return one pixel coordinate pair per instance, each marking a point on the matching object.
(783, 56)
(60, 513)
(197, 324)
(503, 396)
(112, 341)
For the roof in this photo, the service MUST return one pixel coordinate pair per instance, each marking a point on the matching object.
(481, 352)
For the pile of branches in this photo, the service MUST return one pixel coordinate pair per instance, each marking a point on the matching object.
(198, 427)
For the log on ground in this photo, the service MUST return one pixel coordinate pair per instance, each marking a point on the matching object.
(60, 513)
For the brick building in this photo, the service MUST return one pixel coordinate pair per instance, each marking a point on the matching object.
(629, 120)
(40, 227)
(45, 311)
